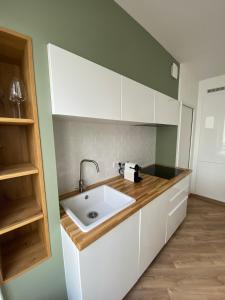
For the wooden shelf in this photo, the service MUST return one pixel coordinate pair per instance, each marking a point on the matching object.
(24, 234)
(20, 252)
(15, 121)
(18, 213)
(17, 170)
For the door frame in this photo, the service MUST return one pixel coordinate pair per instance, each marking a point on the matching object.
(192, 135)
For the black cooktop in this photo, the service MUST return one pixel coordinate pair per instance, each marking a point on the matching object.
(161, 171)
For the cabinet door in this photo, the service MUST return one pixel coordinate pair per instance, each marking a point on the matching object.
(176, 217)
(82, 88)
(109, 266)
(152, 230)
(166, 110)
(137, 102)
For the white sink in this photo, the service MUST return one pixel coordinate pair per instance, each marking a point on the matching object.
(95, 206)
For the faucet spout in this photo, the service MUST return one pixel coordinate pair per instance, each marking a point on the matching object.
(81, 181)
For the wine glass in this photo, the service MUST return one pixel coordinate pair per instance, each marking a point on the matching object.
(17, 93)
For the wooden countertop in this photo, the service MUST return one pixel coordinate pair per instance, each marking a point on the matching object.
(144, 192)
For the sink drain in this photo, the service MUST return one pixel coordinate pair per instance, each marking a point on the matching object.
(92, 214)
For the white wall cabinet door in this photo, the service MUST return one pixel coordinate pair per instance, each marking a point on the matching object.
(109, 266)
(137, 102)
(152, 230)
(82, 88)
(166, 110)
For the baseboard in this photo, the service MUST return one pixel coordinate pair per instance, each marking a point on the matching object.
(206, 199)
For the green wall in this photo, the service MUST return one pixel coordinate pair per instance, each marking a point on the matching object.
(166, 141)
(100, 31)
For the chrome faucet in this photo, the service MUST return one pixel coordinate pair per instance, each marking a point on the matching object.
(81, 181)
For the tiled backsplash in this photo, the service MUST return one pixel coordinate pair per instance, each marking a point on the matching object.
(106, 143)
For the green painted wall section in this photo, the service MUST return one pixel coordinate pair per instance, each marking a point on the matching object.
(98, 30)
(166, 140)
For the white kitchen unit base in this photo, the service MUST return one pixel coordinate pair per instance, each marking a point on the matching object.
(152, 230)
(109, 267)
(106, 269)
(176, 217)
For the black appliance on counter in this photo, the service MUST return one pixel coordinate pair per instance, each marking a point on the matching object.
(161, 171)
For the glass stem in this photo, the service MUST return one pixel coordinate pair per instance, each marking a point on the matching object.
(19, 110)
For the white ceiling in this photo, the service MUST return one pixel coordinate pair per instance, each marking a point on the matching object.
(193, 31)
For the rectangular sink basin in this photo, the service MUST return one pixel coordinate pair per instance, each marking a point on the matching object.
(95, 206)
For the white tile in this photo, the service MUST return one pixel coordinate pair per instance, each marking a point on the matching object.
(105, 143)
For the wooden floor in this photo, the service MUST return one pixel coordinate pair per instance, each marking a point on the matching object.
(192, 264)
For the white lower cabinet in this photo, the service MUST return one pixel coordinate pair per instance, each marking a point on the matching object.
(177, 208)
(106, 269)
(109, 267)
(176, 217)
(152, 230)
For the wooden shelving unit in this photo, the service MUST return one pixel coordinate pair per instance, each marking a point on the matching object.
(24, 236)
(21, 249)
(18, 212)
(17, 170)
(15, 121)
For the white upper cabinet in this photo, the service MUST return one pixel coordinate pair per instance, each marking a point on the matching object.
(137, 102)
(82, 88)
(166, 109)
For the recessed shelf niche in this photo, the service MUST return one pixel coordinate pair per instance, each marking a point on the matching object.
(24, 235)
(21, 249)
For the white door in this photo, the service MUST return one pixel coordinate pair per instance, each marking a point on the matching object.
(212, 132)
(210, 181)
(210, 173)
(137, 102)
(82, 88)
(185, 136)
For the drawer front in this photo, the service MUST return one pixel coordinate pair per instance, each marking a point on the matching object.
(175, 218)
(178, 198)
(183, 184)
(173, 192)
